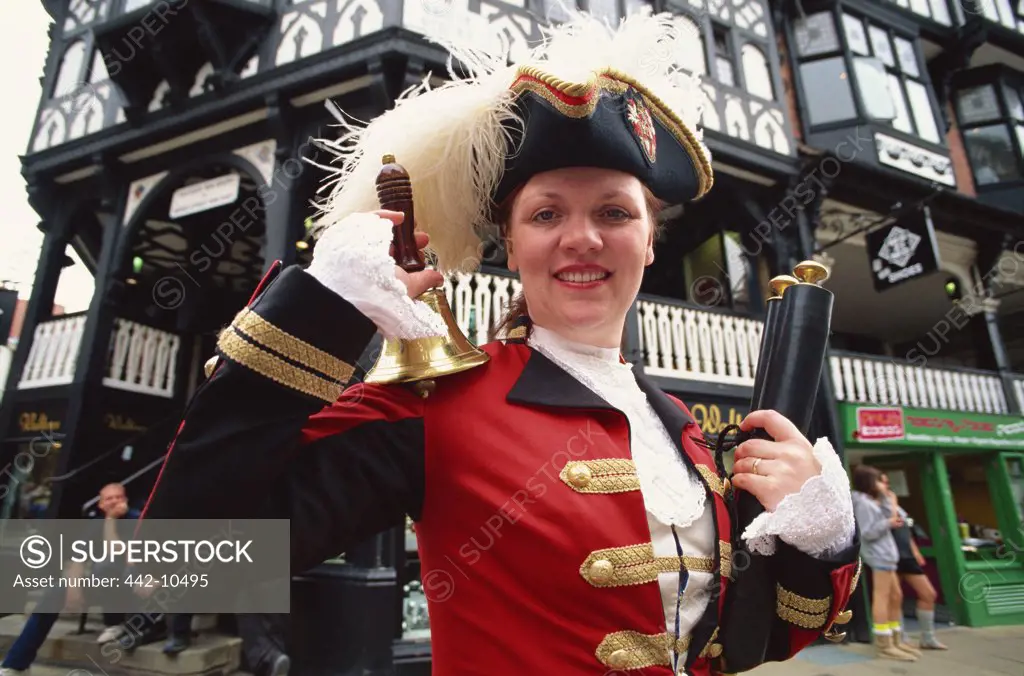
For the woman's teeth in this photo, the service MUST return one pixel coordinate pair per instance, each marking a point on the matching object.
(581, 277)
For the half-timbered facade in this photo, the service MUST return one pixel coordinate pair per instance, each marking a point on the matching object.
(168, 151)
(914, 107)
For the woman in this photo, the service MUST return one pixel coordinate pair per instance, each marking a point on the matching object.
(556, 493)
(910, 571)
(880, 554)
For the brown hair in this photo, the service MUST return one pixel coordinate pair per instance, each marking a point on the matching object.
(503, 214)
(865, 479)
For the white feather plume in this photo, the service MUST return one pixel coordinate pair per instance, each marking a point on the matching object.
(453, 138)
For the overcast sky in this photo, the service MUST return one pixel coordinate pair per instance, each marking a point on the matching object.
(23, 45)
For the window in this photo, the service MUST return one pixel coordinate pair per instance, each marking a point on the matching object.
(719, 273)
(756, 75)
(936, 10)
(82, 13)
(1001, 12)
(725, 70)
(893, 87)
(69, 77)
(885, 65)
(991, 119)
(691, 56)
(829, 97)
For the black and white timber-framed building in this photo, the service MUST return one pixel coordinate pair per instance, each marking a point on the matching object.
(166, 151)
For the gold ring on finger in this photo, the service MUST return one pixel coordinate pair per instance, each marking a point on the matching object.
(754, 467)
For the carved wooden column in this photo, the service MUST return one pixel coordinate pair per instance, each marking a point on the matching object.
(282, 228)
(56, 226)
(84, 396)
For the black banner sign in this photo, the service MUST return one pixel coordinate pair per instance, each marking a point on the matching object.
(903, 251)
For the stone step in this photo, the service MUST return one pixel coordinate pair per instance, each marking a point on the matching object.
(209, 655)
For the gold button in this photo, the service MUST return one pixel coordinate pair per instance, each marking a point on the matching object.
(601, 571)
(715, 649)
(844, 617)
(580, 476)
(618, 659)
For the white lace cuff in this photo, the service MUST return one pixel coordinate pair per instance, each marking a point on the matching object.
(351, 259)
(818, 520)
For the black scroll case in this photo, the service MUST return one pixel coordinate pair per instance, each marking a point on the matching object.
(789, 369)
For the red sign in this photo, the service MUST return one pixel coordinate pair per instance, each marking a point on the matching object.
(879, 424)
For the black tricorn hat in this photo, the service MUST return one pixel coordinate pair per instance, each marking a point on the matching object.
(612, 122)
(588, 95)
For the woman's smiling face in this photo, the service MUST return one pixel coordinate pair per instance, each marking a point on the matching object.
(580, 239)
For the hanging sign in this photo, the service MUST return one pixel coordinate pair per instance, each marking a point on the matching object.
(903, 251)
(205, 195)
(930, 428)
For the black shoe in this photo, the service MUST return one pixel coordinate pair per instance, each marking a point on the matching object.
(176, 644)
(278, 667)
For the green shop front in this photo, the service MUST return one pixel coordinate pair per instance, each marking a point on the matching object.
(960, 477)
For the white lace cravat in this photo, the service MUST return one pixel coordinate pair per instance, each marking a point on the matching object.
(672, 493)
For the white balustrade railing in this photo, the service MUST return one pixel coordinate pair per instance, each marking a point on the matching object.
(479, 301)
(878, 380)
(141, 359)
(686, 342)
(1018, 389)
(54, 351)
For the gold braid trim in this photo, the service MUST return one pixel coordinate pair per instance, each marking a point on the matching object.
(713, 480)
(800, 610)
(616, 81)
(633, 650)
(803, 603)
(258, 360)
(262, 332)
(856, 576)
(636, 564)
(610, 475)
(725, 556)
(712, 649)
(805, 620)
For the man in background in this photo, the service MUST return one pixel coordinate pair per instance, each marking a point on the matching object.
(113, 503)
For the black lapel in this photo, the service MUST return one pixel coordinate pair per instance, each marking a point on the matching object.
(544, 383)
(672, 417)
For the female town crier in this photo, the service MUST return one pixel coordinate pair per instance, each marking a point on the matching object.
(568, 521)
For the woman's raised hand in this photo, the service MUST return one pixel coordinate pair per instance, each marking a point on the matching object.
(415, 282)
(771, 470)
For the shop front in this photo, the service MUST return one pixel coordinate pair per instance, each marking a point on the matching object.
(960, 477)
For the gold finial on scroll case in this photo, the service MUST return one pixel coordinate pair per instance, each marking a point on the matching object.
(811, 272)
(779, 284)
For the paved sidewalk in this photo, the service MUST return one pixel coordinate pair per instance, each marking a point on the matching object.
(972, 652)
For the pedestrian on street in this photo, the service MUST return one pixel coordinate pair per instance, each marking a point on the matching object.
(910, 570)
(880, 554)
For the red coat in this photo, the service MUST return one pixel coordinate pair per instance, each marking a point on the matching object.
(519, 479)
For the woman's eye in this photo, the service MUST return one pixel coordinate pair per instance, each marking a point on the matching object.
(617, 214)
(544, 215)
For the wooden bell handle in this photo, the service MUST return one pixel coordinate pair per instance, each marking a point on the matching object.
(394, 192)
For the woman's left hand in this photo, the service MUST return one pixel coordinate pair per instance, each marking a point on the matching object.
(771, 470)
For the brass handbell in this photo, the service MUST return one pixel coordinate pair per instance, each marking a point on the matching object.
(420, 359)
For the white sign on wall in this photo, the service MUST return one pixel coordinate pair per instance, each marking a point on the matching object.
(204, 196)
